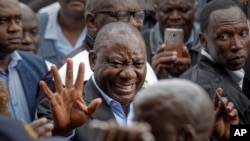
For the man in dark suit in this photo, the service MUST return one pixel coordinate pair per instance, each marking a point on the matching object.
(225, 42)
(119, 70)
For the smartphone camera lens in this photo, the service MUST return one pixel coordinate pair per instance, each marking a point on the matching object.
(172, 35)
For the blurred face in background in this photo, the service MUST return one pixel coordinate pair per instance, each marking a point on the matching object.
(30, 39)
(176, 14)
(73, 8)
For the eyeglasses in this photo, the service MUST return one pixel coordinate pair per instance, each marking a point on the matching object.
(124, 15)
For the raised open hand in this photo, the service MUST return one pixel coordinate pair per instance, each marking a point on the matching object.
(226, 115)
(68, 108)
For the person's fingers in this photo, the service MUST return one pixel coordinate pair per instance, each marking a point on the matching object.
(183, 61)
(69, 74)
(111, 133)
(185, 52)
(58, 82)
(38, 123)
(215, 98)
(233, 115)
(46, 90)
(160, 49)
(45, 130)
(229, 107)
(94, 105)
(80, 77)
(22, 122)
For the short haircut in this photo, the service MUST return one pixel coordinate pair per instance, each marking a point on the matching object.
(159, 1)
(162, 99)
(115, 31)
(213, 6)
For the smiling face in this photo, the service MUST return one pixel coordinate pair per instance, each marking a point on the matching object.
(227, 39)
(176, 14)
(10, 26)
(120, 66)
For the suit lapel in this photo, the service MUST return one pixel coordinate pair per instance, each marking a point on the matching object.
(104, 112)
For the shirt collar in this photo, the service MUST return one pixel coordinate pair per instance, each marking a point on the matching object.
(52, 25)
(15, 59)
(237, 75)
(205, 53)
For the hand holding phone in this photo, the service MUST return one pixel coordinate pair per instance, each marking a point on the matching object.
(173, 39)
(220, 99)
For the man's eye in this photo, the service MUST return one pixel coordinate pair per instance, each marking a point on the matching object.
(18, 19)
(34, 31)
(224, 37)
(116, 64)
(138, 65)
(4, 20)
(166, 11)
(244, 34)
(184, 10)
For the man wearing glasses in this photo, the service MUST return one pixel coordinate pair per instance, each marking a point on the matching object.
(99, 13)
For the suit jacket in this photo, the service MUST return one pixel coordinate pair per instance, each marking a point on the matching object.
(210, 76)
(103, 113)
(31, 70)
(246, 80)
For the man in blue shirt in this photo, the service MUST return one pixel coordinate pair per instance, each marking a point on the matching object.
(119, 70)
(20, 72)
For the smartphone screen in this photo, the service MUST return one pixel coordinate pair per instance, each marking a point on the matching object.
(173, 38)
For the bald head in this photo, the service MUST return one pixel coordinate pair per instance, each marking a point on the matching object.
(118, 32)
(26, 11)
(175, 107)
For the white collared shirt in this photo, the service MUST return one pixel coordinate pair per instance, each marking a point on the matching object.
(54, 32)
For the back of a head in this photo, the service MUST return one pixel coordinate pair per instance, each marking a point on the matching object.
(175, 109)
(25, 9)
(213, 6)
(117, 32)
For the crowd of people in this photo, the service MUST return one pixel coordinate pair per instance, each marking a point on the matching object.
(101, 70)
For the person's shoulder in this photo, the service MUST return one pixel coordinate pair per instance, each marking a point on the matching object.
(12, 130)
(192, 73)
(32, 59)
(29, 55)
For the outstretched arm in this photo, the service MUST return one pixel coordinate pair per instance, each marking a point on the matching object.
(68, 108)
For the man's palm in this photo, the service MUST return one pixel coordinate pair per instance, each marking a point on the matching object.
(68, 108)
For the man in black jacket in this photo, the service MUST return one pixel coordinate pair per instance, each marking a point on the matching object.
(225, 42)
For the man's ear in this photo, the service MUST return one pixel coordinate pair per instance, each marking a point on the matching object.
(188, 134)
(92, 60)
(203, 40)
(90, 22)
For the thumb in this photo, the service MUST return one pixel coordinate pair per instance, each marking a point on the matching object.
(185, 52)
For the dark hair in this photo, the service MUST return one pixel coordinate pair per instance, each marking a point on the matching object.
(212, 6)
